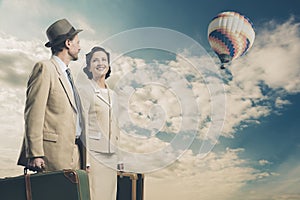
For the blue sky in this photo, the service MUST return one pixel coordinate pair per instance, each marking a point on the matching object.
(257, 155)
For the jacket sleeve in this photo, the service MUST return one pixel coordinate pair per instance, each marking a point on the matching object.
(38, 87)
(85, 101)
(115, 104)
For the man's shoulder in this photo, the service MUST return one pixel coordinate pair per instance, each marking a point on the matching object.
(48, 62)
(44, 67)
(47, 65)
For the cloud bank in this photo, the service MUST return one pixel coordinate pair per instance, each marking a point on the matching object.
(261, 82)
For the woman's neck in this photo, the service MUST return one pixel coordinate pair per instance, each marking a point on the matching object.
(100, 82)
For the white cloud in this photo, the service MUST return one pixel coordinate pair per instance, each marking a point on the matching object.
(17, 58)
(280, 103)
(217, 176)
(282, 184)
(33, 49)
(273, 63)
(274, 58)
(263, 162)
(11, 118)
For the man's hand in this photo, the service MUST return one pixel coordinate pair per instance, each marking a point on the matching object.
(37, 164)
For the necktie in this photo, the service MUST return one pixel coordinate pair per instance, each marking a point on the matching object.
(76, 96)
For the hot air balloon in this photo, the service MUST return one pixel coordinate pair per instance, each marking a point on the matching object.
(230, 35)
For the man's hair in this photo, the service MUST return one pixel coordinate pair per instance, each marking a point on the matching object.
(60, 46)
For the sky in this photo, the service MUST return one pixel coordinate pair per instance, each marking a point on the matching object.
(254, 135)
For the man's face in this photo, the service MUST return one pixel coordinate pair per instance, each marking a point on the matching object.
(74, 48)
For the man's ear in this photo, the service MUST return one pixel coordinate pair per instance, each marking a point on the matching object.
(68, 43)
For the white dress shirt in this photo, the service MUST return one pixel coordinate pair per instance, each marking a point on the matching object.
(64, 67)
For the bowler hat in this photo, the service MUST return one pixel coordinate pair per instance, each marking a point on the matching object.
(60, 31)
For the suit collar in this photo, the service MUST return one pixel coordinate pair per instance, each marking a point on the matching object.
(63, 67)
(98, 92)
(64, 82)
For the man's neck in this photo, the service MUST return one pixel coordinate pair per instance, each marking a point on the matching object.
(63, 55)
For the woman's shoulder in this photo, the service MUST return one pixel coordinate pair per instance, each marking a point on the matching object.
(85, 88)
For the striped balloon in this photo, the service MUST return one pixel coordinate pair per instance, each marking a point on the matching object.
(230, 35)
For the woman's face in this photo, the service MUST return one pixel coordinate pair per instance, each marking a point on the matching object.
(99, 64)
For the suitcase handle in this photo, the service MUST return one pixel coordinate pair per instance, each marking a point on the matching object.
(27, 180)
(27, 185)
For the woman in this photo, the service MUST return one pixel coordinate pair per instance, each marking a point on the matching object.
(99, 103)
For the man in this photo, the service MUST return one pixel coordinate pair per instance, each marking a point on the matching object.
(54, 126)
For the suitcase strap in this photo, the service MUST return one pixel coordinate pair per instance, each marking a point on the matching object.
(28, 187)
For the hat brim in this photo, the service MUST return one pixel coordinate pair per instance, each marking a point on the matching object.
(62, 38)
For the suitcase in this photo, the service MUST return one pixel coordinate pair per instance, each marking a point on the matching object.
(130, 186)
(58, 185)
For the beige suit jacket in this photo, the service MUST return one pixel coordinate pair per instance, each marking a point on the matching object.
(103, 131)
(50, 118)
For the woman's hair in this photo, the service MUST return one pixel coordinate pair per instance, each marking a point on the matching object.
(88, 58)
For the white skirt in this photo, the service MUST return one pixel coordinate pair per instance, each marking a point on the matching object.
(103, 179)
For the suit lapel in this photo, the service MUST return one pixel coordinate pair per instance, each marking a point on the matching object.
(100, 97)
(97, 93)
(65, 84)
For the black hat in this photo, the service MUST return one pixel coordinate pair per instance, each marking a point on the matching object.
(60, 31)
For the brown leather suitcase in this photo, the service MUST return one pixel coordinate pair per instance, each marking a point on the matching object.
(130, 186)
(58, 185)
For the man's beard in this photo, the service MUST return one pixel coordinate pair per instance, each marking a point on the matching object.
(74, 57)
